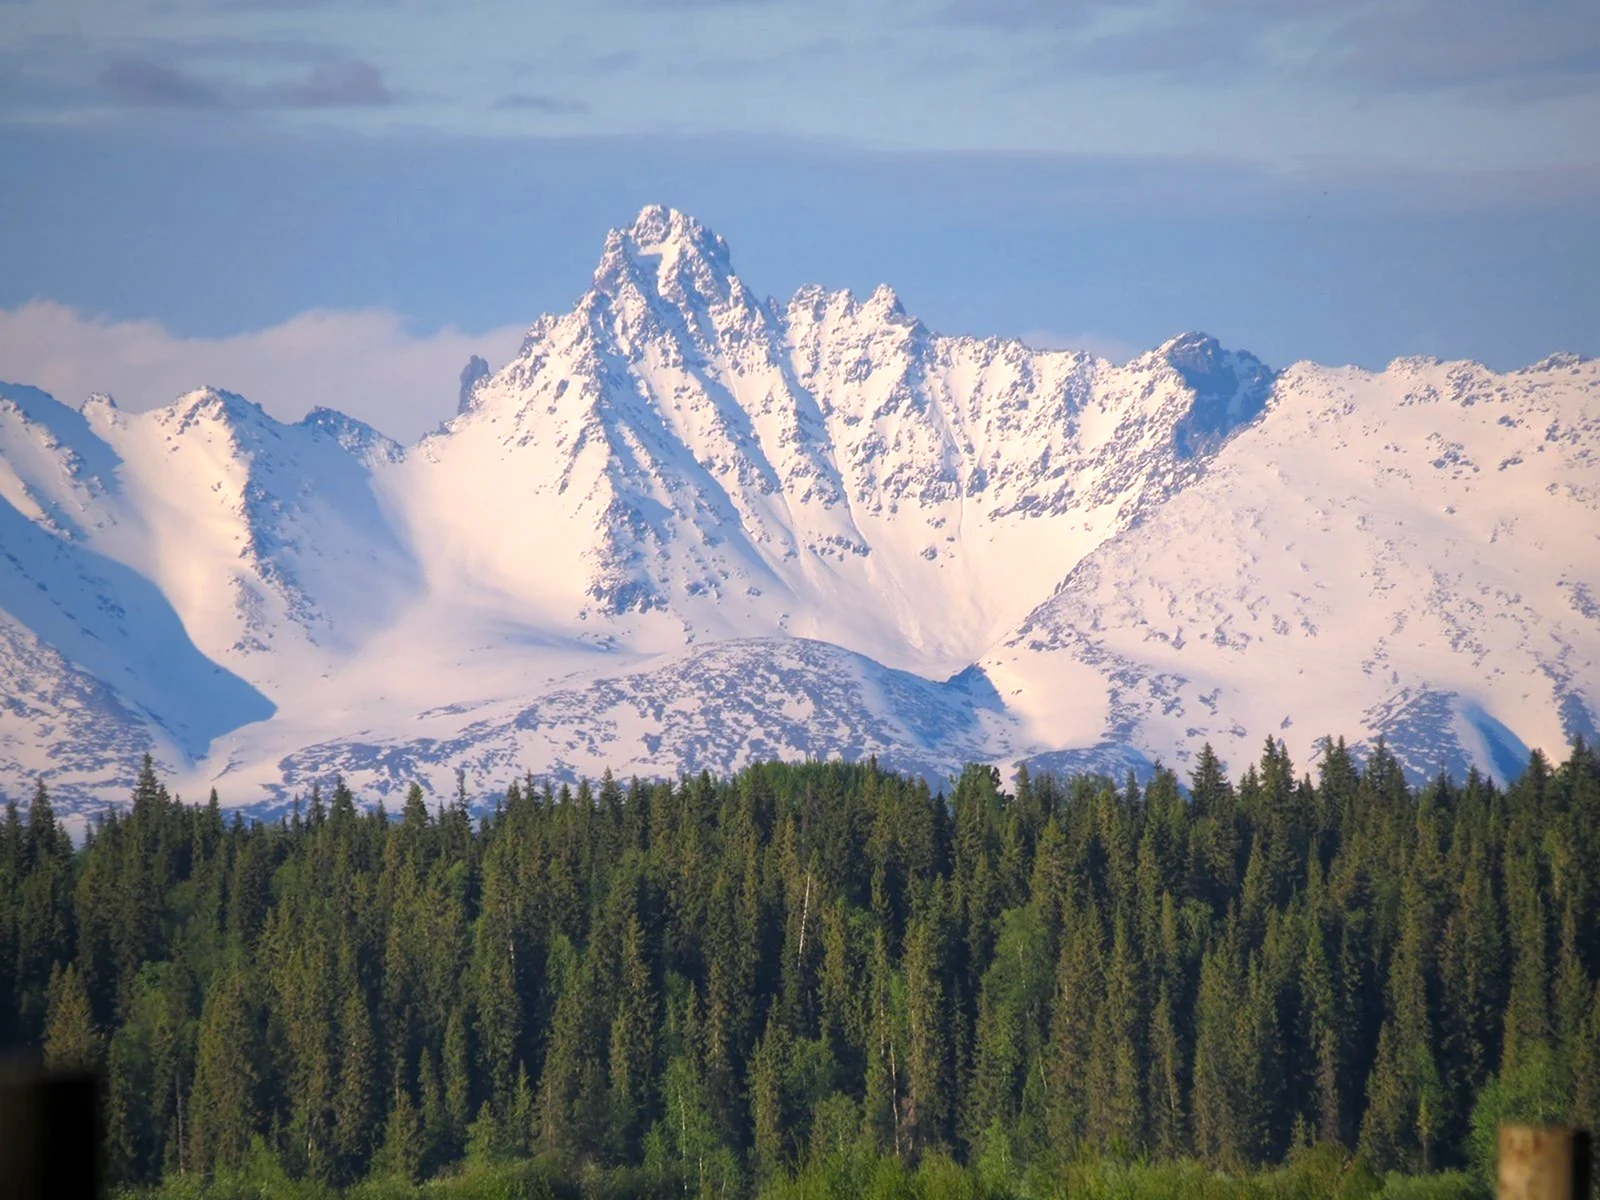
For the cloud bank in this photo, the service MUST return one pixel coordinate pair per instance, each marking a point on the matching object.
(363, 363)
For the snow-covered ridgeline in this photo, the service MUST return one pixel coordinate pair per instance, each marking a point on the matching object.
(686, 526)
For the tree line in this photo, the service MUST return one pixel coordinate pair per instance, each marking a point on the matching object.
(713, 983)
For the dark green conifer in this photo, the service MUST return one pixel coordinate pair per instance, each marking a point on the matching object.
(224, 1110)
(71, 1041)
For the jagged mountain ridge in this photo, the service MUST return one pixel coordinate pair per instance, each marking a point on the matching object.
(749, 467)
(686, 526)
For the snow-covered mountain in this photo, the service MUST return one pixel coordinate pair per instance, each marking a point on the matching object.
(687, 526)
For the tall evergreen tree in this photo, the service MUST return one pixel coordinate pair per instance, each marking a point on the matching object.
(926, 1109)
(224, 1106)
(71, 1041)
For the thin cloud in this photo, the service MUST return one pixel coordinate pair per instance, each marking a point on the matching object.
(146, 83)
(680, 6)
(364, 363)
(572, 55)
(613, 60)
(332, 85)
(155, 85)
(215, 49)
(1031, 15)
(1534, 49)
(268, 6)
(552, 105)
(1187, 50)
(747, 66)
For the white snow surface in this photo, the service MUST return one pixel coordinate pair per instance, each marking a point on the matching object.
(687, 527)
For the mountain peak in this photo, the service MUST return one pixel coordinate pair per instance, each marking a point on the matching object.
(1193, 344)
(1230, 388)
(65, 426)
(214, 407)
(1207, 365)
(886, 300)
(662, 241)
(215, 400)
(474, 373)
(356, 436)
(658, 229)
(1562, 360)
(667, 253)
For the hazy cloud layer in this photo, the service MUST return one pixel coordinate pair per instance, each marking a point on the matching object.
(534, 102)
(1431, 82)
(1541, 47)
(280, 6)
(147, 83)
(363, 363)
(1345, 179)
(1030, 15)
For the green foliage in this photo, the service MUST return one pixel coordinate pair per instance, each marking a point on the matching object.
(70, 1039)
(1446, 1185)
(823, 979)
(1531, 1091)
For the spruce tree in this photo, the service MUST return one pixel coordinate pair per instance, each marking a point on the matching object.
(571, 1089)
(1229, 1018)
(1322, 1039)
(71, 1041)
(457, 1080)
(401, 1152)
(355, 1097)
(1075, 1003)
(1116, 1084)
(223, 1108)
(1166, 1095)
(633, 1040)
(770, 1118)
(1405, 1096)
(1527, 1011)
(926, 1110)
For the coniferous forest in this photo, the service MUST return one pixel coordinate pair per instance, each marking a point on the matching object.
(825, 980)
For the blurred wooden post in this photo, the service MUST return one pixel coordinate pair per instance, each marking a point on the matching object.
(49, 1134)
(1543, 1163)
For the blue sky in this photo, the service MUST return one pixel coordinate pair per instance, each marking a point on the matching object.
(189, 179)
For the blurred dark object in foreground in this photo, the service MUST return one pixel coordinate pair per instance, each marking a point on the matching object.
(1542, 1162)
(49, 1133)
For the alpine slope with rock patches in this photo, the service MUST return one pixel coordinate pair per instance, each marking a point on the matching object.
(687, 526)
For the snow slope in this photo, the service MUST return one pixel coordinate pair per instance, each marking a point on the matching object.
(687, 526)
(1414, 553)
